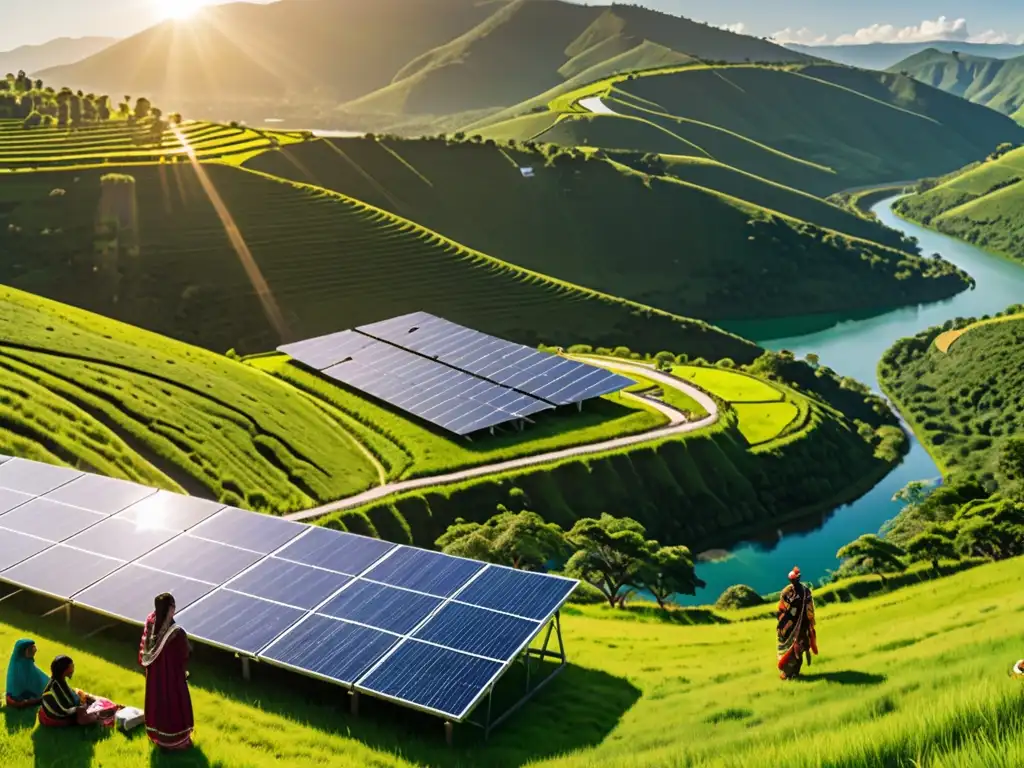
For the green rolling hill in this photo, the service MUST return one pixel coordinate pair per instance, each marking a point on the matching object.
(993, 82)
(983, 204)
(886, 55)
(818, 128)
(705, 241)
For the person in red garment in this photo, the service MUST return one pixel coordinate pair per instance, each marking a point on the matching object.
(797, 634)
(164, 653)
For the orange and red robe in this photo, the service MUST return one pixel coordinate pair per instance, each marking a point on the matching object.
(164, 654)
(796, 632)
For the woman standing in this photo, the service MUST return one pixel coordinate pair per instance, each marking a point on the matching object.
(25, 681)
(797, 634)
(164, 653)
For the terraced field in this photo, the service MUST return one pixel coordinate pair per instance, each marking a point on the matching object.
(329, 261)
(79, 389)
(118, 142)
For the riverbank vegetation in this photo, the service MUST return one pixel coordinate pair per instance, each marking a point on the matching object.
(638, 690)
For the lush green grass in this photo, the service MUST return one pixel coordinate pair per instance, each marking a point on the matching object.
(117, 142)
(763, 422)
(816, 127)
(731, 386)
(982, 205)
(108, 397)
(900, 678)
(964, 402)
(331, 262)
(413, 450)
(668, 395)
(946, 339)
(705, 241)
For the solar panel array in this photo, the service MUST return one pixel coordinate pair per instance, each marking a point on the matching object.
(457, 378)
(421, 628)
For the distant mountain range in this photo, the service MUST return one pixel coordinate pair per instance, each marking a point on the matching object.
(63, 50)
(995, 83)
(885, 55)
(445, 56)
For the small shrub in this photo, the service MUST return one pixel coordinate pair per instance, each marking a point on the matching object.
(738, 596)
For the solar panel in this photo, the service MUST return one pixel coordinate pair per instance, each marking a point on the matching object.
(60, 571)
(200, 560)
(329, 648)
(4, 458)
(532, 595)
(15, 547)
(387, 608)
(436, 679)
(33, 477)
(290, 583)
(325, 351)
(337, 551)
(479, 631)
(425, 571)
(100, 494)
(49, 520)
(237, 622)
(129, 592)
(249, 530)
(170, 511)
(11, 499)
(120, 539)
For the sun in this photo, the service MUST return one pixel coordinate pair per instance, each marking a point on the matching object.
(179, 9)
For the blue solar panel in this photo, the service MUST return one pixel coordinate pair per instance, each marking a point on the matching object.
(533, 595)
(325, 351)
(129, 592)
(100, 494)
(4, 458)
(200, 560)
(237, 622)
(331, 648)
(15, 547)
(120, 539)
(342, 552)
(60, 571)
(477, 630)
(33, 477)
(437, 679)
(11, 499)
(170, 511)
(425, 571)
(249, 530)
(289, 583)
(383, 607)
(49, 520)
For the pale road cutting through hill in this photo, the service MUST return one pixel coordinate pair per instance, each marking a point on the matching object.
(595, 105)
(678, 425)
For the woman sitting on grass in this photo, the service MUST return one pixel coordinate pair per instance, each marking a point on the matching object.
(62, 704)
(25, 681)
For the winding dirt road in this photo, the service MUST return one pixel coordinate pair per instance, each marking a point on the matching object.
(677, 425)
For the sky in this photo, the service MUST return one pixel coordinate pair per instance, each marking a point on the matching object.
(808, 21)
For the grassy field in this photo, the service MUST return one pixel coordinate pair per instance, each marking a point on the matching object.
(321, 255)
(704, 241)
(965, 401)
(95, 393)
(901, 680)
(981, 205)
(814, 127)
(411, 450)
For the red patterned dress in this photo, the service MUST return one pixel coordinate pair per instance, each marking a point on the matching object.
(796, 633)
(164, 653)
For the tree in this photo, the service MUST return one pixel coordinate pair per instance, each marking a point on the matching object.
(873, 554)
(523, 540)
(669, 571)
(914, 493)
(1011, 458)
(931, 546)
(813, 360)
(610, 553)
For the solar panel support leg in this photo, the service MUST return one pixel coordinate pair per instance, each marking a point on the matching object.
(246, 672)
(579, 407)
(354, 703)
(449, 732)
(10, 595)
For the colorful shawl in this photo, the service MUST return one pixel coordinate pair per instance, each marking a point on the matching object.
(24, 679)
(154, 639)
(796, 633)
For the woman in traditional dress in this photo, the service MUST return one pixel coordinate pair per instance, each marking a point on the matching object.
(796, 633)
(62, 704)
(164, 653)
(25, 681)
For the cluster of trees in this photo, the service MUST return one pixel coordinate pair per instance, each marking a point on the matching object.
(611, 554)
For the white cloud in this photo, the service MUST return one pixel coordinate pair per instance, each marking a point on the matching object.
(739, 28)
(803, 36)
(942, 28)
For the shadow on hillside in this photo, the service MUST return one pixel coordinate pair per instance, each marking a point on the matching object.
(578, 709)
(192, 758)
(17, 720)
(846, 677)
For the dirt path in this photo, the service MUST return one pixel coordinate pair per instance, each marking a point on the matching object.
(677, 425)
